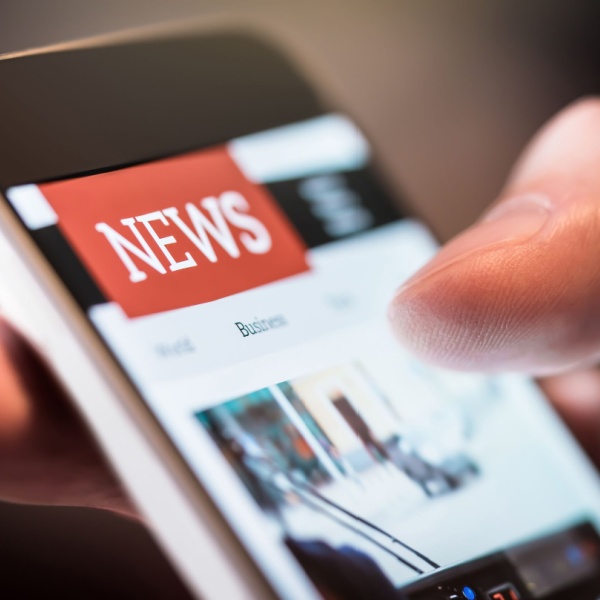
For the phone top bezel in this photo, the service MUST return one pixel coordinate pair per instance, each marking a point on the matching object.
(84, 109)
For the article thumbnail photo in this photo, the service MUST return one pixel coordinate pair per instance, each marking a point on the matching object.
(331, 437)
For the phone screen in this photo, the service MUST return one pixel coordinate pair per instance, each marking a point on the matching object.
(243, 287)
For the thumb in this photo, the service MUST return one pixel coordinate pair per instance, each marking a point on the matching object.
(520, 289)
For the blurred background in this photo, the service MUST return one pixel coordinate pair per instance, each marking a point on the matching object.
(449, 92)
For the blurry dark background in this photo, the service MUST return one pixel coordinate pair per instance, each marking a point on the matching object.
(448, 91)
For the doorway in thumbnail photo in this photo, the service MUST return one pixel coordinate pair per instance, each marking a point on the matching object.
(330, 458)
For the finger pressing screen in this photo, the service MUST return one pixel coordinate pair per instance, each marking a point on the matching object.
(519, 290)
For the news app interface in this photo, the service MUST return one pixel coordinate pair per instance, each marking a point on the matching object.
(244, 288)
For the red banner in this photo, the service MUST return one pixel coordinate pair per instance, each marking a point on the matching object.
(176, 232)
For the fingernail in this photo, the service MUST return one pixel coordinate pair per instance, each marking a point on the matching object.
(512, 221)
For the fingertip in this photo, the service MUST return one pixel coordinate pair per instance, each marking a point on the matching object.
(472, 305)
(451, 317)
(516, 307)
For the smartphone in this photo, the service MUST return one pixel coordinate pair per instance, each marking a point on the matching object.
(204, 250)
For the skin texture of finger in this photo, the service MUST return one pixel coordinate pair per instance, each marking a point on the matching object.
(519, 290)
(576, 397)
(46, 454)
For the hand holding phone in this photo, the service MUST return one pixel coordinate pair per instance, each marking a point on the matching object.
(205, 255)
